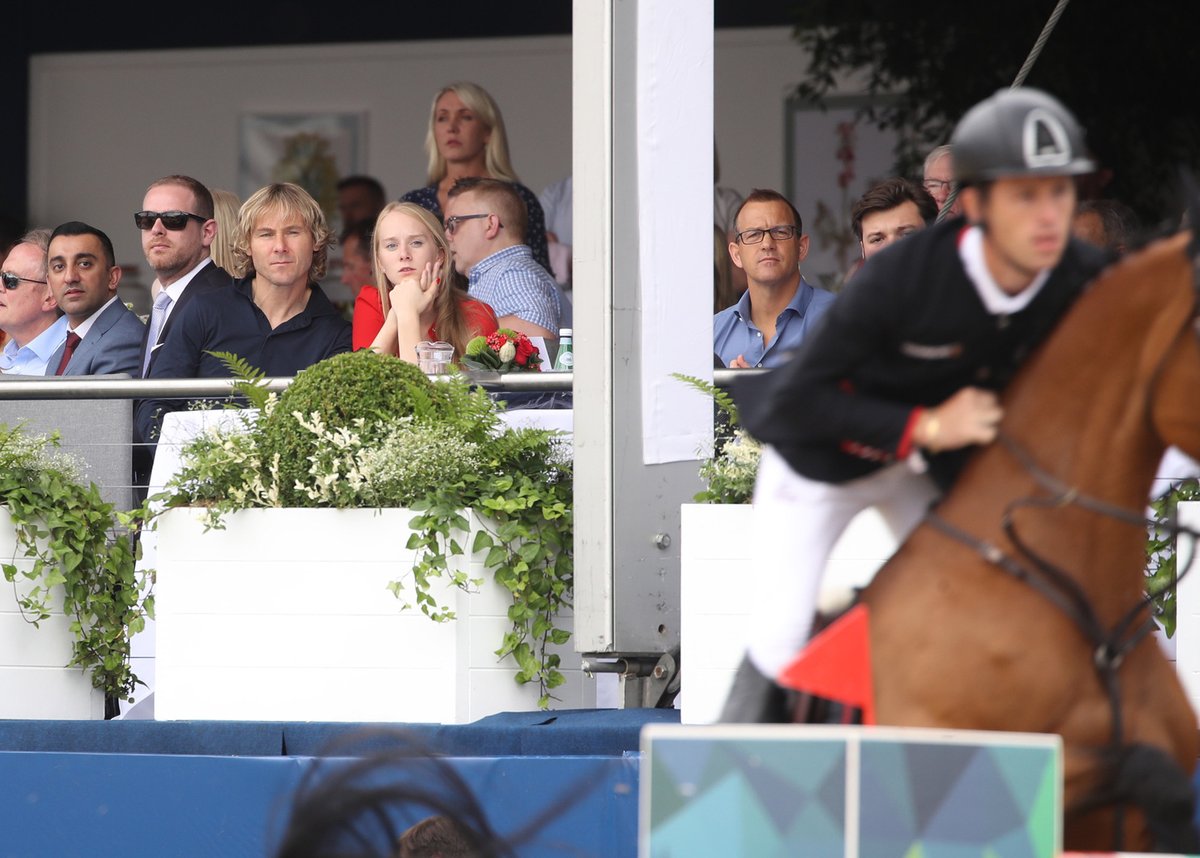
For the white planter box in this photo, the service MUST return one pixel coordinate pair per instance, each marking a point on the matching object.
(1187, 608)
(717, 570)
(285, 615)
(34, 679)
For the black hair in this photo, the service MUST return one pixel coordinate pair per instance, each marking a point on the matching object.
(77, 227)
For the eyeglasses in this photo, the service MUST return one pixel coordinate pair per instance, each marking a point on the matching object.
(935, 186)
(12, 281)
(173, 221)
(755, 236)
(453, 222)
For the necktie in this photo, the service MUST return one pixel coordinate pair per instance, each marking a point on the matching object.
(157, 316)
(73, 339)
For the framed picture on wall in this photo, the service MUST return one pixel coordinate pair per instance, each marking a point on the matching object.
(832, 156)
(312, 150)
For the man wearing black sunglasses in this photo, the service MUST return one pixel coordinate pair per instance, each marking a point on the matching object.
(28, 311)
(177, 226)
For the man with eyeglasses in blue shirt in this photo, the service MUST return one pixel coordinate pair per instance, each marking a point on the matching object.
(28, 312)
(779, 307)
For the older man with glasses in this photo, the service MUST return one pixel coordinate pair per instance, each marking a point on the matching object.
(779, 307)
(28, 311)
(938, 179)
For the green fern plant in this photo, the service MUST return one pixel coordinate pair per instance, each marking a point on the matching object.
(729, 472)
(249, 380)
(722, 400)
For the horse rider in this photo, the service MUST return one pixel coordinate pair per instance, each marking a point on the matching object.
(884, 401)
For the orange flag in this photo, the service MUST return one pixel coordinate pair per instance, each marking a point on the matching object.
(836, 664)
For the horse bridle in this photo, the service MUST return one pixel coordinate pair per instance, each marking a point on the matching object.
(1060, 589)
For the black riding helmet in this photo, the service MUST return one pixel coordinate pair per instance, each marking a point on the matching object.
(1018, 132)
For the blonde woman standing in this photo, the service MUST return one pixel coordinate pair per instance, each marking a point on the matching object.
(466, 138)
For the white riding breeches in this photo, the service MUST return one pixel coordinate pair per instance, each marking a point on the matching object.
(797, 522)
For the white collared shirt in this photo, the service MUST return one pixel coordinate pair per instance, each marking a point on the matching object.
(995, 300)
(175, 290)
(86, 324)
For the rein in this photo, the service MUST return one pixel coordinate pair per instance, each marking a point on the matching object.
(1064, 592)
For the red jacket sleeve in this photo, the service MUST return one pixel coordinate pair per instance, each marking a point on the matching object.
(368, 317)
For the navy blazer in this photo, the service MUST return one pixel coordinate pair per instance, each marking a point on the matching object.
(112, 345)
(207, 279)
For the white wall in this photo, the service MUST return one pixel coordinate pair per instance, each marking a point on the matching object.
(104, 125)
(755, 71)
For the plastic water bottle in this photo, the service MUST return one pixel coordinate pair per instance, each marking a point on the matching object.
(565, 361)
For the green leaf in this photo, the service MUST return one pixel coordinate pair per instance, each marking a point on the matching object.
(483, 540)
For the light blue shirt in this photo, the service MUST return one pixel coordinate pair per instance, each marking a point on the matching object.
(734, 332)
(513, 284)
(33, 357)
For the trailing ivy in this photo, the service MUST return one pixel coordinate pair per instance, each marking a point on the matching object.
(78, 546)
(1161, 553)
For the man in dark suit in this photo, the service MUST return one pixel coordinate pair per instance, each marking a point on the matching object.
(104, 336)
(177, 226)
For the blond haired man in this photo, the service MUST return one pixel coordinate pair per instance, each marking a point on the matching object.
(275, 316)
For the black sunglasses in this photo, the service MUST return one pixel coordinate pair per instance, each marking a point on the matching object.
(173, 221)
(12, 281)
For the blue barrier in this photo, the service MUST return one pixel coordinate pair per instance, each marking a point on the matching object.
(192, 789)
(181, 806)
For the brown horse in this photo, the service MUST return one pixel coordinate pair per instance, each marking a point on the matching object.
(960, 641)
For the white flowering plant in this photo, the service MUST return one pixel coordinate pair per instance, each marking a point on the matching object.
(365, 430)
(730, 467)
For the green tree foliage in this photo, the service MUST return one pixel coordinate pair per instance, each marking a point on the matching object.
(1128, 72)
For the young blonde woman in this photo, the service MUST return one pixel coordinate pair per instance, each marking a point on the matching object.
(466, 138)
(418, 295)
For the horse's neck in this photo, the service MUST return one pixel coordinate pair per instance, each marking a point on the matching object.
(1081, 409)
(1081, 406)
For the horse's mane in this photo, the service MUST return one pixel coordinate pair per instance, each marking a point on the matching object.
(1080, 410)
(1084, 392)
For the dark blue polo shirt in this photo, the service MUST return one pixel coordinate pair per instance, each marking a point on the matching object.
(228, 320)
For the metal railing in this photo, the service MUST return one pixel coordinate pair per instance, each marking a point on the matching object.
(84, 387)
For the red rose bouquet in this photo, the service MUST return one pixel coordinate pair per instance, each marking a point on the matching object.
(502, 351)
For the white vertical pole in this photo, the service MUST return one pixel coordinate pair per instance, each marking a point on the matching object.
(642, 289)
